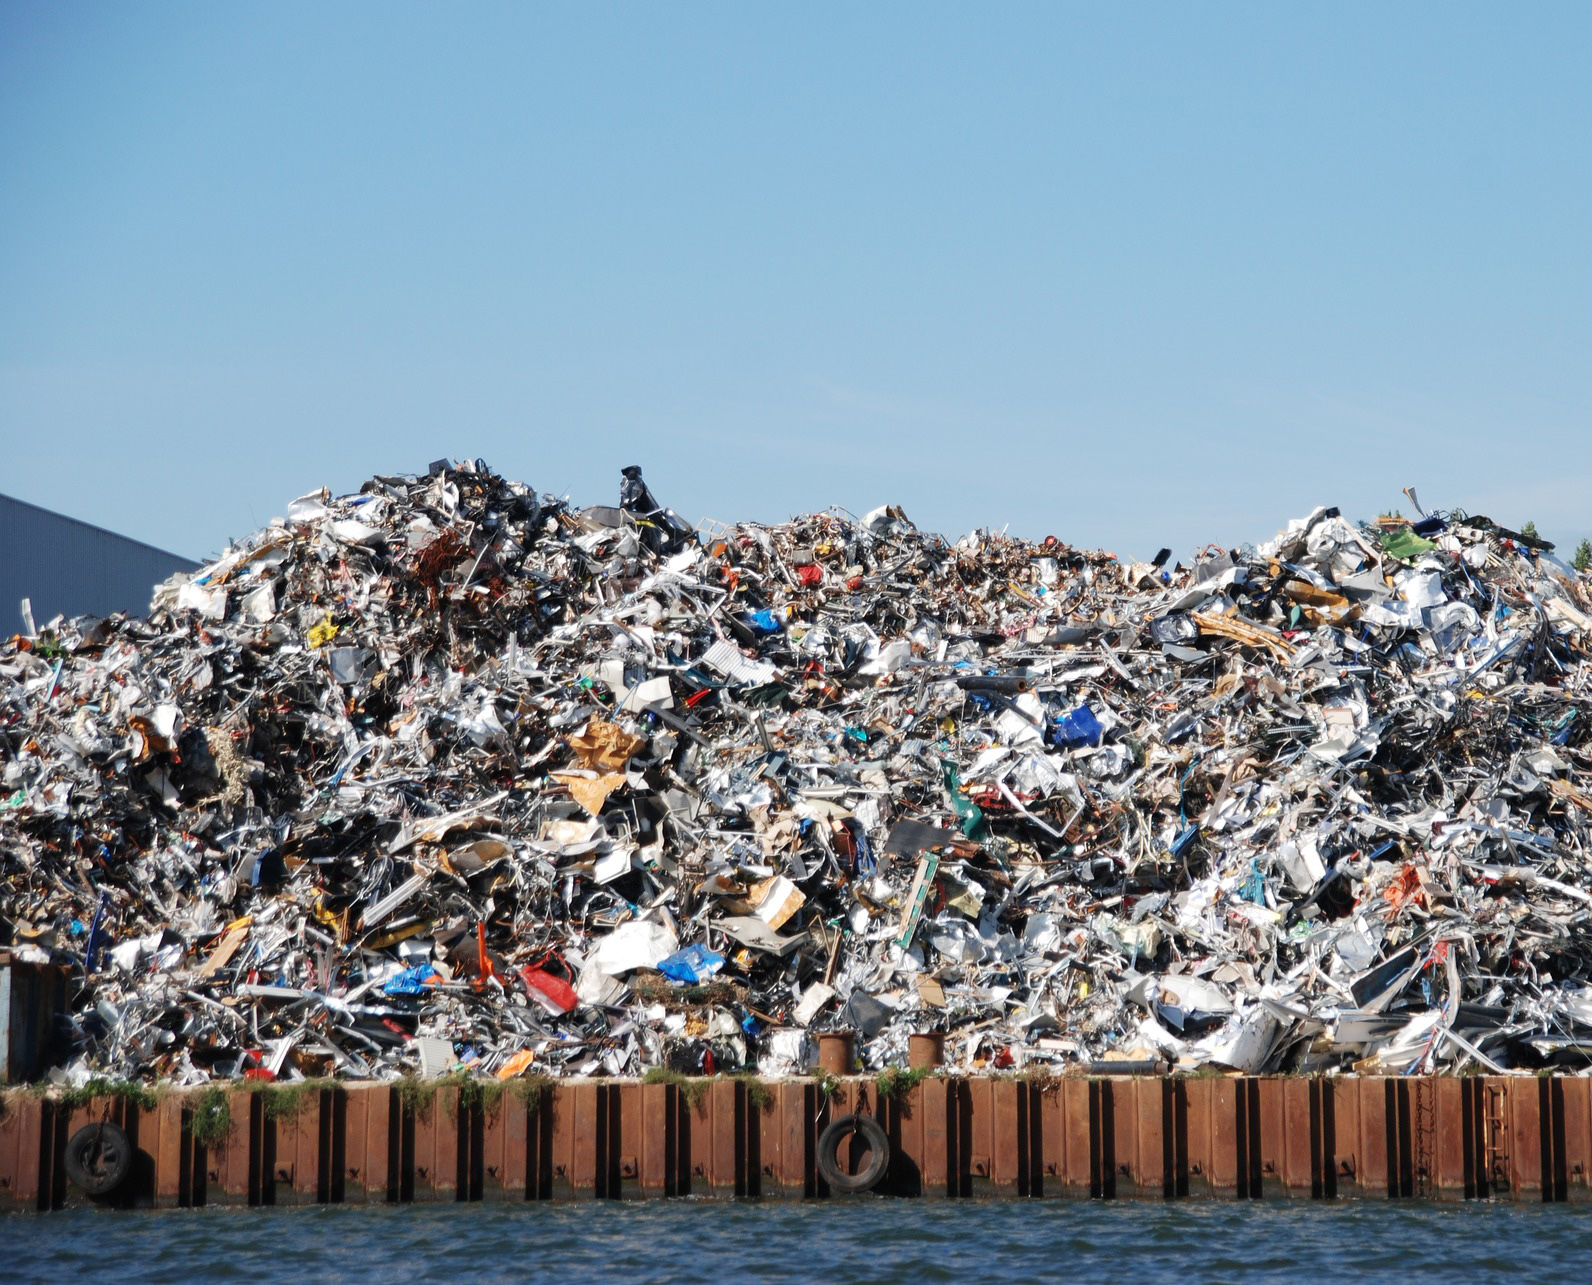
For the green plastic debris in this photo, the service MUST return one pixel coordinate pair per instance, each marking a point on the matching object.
(968, 812)
(1405, 545)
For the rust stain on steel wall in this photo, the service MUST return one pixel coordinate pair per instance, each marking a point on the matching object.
(798, 1143)
(1198, 1135)
(933, 1103)
(19, 1155)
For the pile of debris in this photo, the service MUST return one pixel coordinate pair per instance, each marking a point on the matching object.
(452, 773)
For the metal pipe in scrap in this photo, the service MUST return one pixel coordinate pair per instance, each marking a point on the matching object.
(1006, 684)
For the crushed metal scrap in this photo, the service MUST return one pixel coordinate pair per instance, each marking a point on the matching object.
(452, 773)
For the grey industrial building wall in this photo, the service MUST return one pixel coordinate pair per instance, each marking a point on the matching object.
(71, 568)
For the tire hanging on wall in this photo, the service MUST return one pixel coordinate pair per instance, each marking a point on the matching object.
(99, 1158)
(835, 1135)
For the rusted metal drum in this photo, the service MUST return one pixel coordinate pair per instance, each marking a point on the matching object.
(926, 1050)
(837, 1050)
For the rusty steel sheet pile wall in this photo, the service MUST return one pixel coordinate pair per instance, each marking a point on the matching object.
(1152, 1138)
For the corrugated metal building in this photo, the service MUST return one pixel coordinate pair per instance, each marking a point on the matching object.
(73, 568)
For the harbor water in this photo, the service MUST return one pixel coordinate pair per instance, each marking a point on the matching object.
(862, 1240)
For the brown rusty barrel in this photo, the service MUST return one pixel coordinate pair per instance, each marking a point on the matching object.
(836, 1052)
(926, 1050)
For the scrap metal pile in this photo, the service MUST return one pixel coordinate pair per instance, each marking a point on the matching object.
(449, 772)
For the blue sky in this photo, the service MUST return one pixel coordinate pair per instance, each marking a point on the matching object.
(1132, 274)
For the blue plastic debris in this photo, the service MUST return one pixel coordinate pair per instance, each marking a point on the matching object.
(693, 964)
(1077, 729)
(412, 981)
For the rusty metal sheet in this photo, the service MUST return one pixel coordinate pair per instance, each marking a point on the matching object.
(419, 1149)
(1224, 1135)
(625, 1139)
(1178, 1150)
(317, 1128)
(795, 1106)
(1199, 1098)
(1337, 1165)
(610, 1133)
(1378, 1139)
(313, 1149)
(1102, 1140)
(768, 1123)
(140, 1126)
(11, 1167)
(356, 1183)
(651, 1128)
(142, 1131)
(469, 1139)
(723, 1162)
(901, 1117)
(171, 1183)
(227, 1178)
(759, 1138)
(1297, 1149)
(58, 1124)
(582, 1138)
(334, 1144)
(1073, 1143)
(1494, 1121)
(558, 1122)
(1268, 1134)
(959, 1138)
(767, 1126)
(1450, 1141)
(1348, 1149)
(1525, 1141)
(826, 1107)
(383, 1118)
(699, 1117)
(1049, 1162)
(930, 1104)
(297, 1169)
(222, 1159)
(1472, 1099)
(21, 1125)
(1131, 1178)
(429, 1118)
(978, 1104)
(505, 1159)
(1422, 1123)
(1555, 1175)
(1576, 1108)
(1005, 1146)
(689, 1143)
(540, 1118)
(52, 1123)
(1119, 1136)
(67, 1121)
(1151, 1171)
(753, 1105)
(448, 1139)
(487, 1145)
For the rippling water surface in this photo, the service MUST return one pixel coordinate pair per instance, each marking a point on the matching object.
(862, 1240)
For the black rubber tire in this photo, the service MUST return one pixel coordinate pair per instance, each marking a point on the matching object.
(829, 1143)
(98, 1158)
